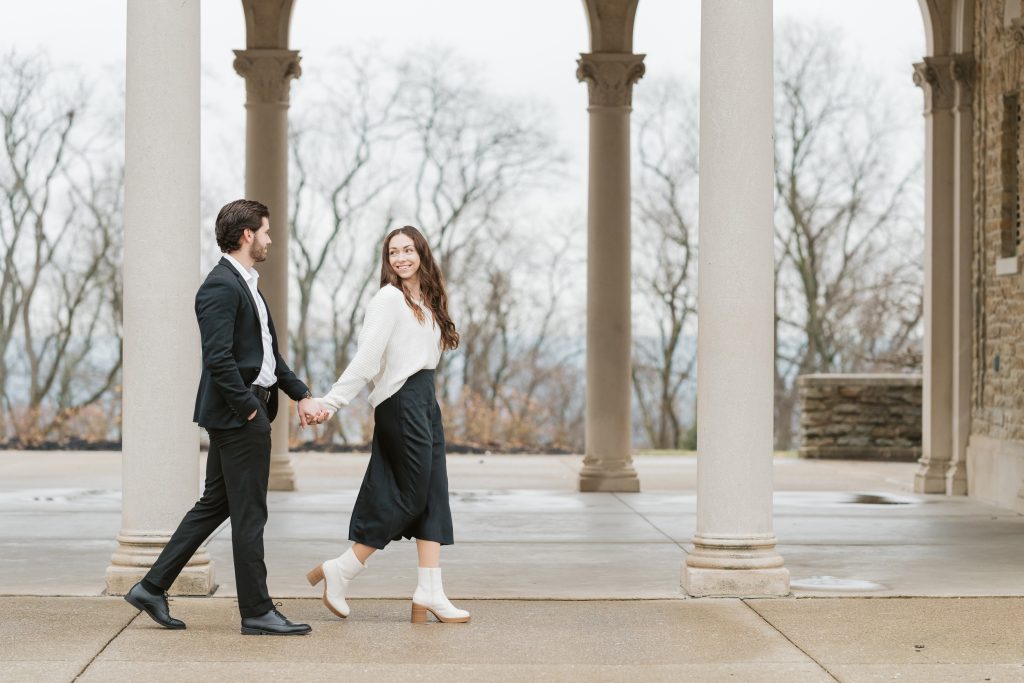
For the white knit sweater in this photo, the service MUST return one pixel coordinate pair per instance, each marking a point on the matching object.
(393, 346)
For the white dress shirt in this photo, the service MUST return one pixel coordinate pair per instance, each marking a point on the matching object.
(393, 346)
(266, 378)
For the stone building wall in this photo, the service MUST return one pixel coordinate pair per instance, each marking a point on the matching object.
(998, 387)
(863, 417)
(995, 448)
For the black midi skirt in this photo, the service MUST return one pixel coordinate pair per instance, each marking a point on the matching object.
(405, 490)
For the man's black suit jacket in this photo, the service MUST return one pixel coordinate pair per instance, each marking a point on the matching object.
(229, 326)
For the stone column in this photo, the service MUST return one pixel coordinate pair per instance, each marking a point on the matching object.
(962, 74)
(608, 465)
(160, 475)
(734, 547)
(268, 74)
(934, 76)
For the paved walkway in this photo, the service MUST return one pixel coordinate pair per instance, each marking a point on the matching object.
(828, 639)
(562, 585)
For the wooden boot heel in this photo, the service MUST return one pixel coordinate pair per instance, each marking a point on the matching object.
(419, 614)
(316, 575)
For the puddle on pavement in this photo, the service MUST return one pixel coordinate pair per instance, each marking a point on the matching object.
(876, 499)
(522, 500)
(61, 496)
(834, 583)
(845, 498)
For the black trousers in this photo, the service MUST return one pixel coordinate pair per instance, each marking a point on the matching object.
(405, 489)
(237, 472)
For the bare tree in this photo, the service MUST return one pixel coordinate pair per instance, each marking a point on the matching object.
(432, 144)
(474, 152)
(665, 253)
(335, 182)
(88, 367)
(520, 339)
(474, 155)
(60, 230)
(848, 270)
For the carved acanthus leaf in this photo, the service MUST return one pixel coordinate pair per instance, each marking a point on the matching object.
(267, 74)
(610, 77)
(935, 77)
(961, 70)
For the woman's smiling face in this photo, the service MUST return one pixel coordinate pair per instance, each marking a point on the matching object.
(402, 256)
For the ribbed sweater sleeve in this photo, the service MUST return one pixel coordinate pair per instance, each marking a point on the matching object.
(380, 319)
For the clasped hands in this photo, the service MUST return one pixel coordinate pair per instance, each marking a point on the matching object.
(311, 412)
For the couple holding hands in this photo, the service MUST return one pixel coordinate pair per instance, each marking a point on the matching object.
(405, 490)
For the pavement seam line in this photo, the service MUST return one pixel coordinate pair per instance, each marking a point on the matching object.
(105, 646)
(653, 525)
(789, 640)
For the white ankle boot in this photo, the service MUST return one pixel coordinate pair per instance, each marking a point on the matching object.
(336, 574)
(430, 597)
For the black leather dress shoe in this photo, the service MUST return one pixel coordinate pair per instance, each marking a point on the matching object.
(273, 623)
(153, 604)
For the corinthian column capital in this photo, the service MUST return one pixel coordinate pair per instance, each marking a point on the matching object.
(961, 70)
(935, 77)
(610, 77)
(267, 73)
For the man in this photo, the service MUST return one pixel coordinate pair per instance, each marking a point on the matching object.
(236, 403)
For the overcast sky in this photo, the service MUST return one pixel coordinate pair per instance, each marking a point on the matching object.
(524, 48)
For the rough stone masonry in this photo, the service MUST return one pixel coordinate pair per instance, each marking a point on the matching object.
(863, 417)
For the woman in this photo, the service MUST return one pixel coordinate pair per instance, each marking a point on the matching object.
(405, 489)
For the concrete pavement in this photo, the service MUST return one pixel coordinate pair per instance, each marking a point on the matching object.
(523, 532)
(562, 585)
(826, 639)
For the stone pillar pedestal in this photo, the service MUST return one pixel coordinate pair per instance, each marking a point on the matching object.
(268, 74)
(734, 547)
(136, 553)
(739, 566)
(934, 76)
(160, 472)
(608, 465)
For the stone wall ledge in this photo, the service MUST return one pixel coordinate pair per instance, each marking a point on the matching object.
(860, 379)
(860, 453)
(860, 417)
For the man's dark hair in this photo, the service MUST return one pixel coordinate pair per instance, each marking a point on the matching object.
(235, 218)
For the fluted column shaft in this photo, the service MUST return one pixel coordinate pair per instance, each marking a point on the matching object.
(734, 547)
(934, 76)
(160, 472)
(608, 465)
(268, 74)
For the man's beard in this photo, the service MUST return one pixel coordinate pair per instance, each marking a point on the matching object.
(258, 253)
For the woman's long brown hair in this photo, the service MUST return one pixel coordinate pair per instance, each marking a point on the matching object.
(431, 285)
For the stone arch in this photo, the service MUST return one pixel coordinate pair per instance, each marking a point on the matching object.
(936, 16)
(949, 24)
(611, 24)
(267, 23)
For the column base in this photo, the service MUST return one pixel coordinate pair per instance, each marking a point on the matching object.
(735, 583)
(736, 567)
(956, 479)
(282, 474)
(930, 478)
(595, 478)
(137, 551)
